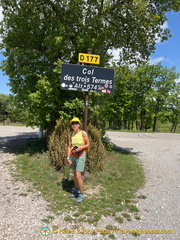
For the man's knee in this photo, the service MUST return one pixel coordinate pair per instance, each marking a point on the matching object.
(78, 175)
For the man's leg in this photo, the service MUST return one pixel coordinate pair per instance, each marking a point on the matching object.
(76, 184)
(79, 181)
(75, 192)
(81, 187)
(80, 171)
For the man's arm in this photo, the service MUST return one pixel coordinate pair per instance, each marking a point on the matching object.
(69, 151)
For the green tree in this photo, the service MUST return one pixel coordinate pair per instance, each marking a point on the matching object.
(143, 95)
(4, 106)
(38, 35)
(173, 107)
(4, 102)
(164, 84)
(16, 114)
(132, 88)
(120, 102)
(9, 110)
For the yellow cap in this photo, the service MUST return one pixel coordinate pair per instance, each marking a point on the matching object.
(75, 120)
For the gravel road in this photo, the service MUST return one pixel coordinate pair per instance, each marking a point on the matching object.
(10, 132)
(21, 211)
(160, 155)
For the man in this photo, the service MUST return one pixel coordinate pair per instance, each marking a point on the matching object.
(78, 141)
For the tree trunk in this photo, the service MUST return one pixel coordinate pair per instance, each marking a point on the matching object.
(129, 125)
(137, 125)
(132, 126)
(143, 114)
(125, 124)
(154, 124)
(3, 119)
(174, 126)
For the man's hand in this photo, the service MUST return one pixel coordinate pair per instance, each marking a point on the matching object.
(79, 148)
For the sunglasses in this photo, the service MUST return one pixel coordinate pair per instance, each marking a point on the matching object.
(74, 123)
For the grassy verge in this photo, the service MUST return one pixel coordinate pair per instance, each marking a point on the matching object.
(161, 128)
(108, 193)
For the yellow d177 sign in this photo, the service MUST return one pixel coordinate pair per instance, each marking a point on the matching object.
(89, 58)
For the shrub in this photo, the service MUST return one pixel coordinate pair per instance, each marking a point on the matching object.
(95, 158)
(57, 144)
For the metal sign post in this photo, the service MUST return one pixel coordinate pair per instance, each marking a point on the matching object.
(86, 101)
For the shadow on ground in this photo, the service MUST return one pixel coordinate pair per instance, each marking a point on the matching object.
(125, 151)
(67, 184)
(21, 145)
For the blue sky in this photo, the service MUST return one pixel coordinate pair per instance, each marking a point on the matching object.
(167, 52)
